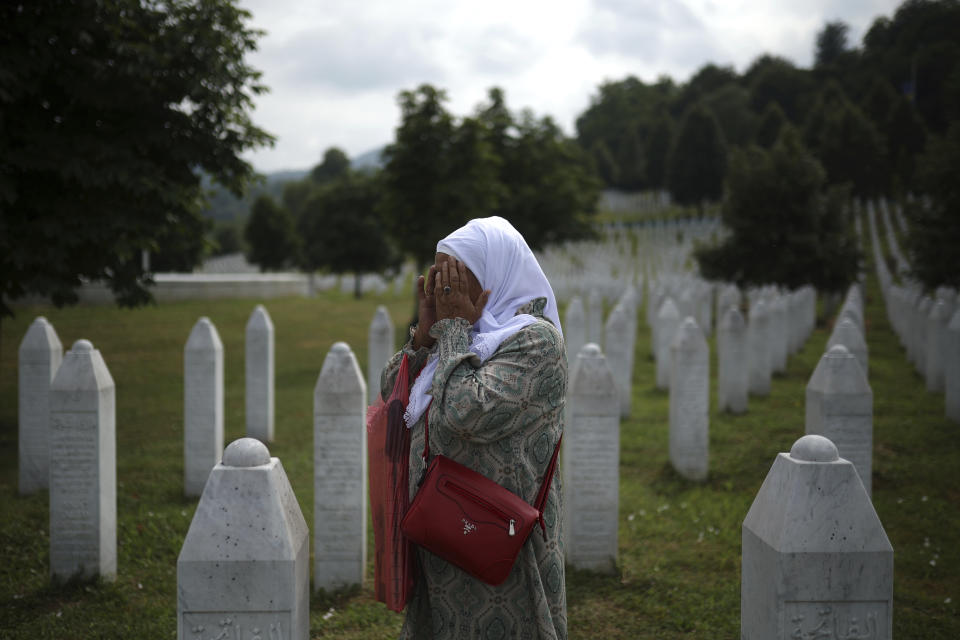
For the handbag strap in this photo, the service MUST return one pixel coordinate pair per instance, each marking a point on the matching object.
(542, 494)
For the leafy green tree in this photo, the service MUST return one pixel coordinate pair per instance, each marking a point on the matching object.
(270, 235)
(935, 226)
(771, 123)
(708, 79)
(847, 143)
(658, 149)
(295, 195)
(730, 104)
(906, 141)
(335, 165)
(831, 44)
(772, 79)
(698, 159)
(606, 166)
(226, 236)
(631, 160)
(785, 228)
(437, 174)
(342, 229)
(109, 112)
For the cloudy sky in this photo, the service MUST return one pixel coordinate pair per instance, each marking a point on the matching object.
(335, 66)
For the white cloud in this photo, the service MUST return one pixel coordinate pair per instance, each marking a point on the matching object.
(335, 67)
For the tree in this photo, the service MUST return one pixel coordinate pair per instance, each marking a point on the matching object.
(110, 111)
(343, 231)
(607, 167)
(226, 235)
(771, 123)
(631, 160)
(437, 174)
(831, 43)
(773, 79)
(730, 104)
(270, 235)
(935, 225)
(658, 149)
(785, 228)
(698, 159)
(335, 165)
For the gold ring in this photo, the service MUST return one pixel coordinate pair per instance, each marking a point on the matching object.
(446, 289)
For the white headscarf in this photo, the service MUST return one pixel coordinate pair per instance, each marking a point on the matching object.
(499, 257)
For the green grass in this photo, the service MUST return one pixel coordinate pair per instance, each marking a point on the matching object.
(679, 565)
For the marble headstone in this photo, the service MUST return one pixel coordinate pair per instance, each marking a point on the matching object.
(689, 401)
(668, 320)
(591, 464)
(83, 467)
(380, 348)
(758, 349)
(244, 568)
(574, 329)
(37, 363)
(595, 316)
(840, 408)
(202, 405)
(339, 471)
(816, 562)
(847, 334)
(732, 372)
(936, 332)
(618, 347)
(259, 364)
(951, 370)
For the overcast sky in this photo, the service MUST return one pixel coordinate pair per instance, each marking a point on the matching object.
(335, 66)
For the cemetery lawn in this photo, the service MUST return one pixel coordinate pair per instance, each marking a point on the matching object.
(679, 565)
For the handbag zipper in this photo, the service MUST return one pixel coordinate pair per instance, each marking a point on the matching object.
(463, 491)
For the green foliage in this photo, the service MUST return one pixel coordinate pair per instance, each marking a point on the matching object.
(342, 229)
(698, 159)
(784, 228)
(934, 236)
(437, 175)
(730, 104)
(226, 237)
(658, 150)
(109, 112)
(270, 235)
(847, 143)
(773, 79)
(335, 165)
(607, 167)
(771, 123)
(831, 44)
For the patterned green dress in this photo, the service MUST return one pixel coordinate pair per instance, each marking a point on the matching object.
(502, 419)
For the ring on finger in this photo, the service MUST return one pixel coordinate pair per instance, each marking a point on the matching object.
(446, 289)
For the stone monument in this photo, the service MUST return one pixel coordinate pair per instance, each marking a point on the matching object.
(595, 316)
(244, 568)
(840, 408)
(258, 359)
(758, 349)
(847, 334)
(618, 346)
(591, 464)
(380, 348)
(83, 467)
(37, 363)
(937, 322)
(339, 471)
(732, 372)
(816, 561)
(202, 405)
(668, 320)
(574, 330)
(689, 401)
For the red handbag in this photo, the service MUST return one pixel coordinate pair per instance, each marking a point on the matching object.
(471, 521)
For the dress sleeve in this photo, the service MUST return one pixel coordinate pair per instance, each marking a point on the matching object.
(416, 358)
(484, 402)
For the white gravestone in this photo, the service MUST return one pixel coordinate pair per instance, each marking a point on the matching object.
(840, 407)
(689, 401)
(816, 561)
(83, 467)
(595, 317)
(339, 471)
(618, 346)
(847, 334)
(951, 369)
(38, 360)
(732, 372)
(758, 349)
(202, 405)
(668, 320)
(574, 329)
(260, 375)
(779, 335)
(936, 332)
(244, 568)
(591, 464)
(380, 348)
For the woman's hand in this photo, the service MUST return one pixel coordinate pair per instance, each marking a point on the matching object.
(427, 311)
(451, 291)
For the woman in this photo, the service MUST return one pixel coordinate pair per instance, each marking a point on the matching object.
(487, 363)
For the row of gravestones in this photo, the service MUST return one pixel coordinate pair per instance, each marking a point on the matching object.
(928, 327)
